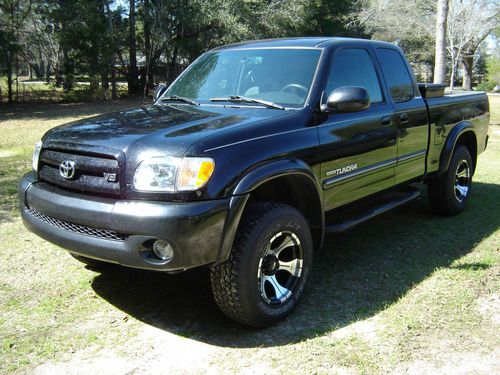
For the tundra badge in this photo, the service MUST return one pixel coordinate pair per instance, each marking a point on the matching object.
(338, 171)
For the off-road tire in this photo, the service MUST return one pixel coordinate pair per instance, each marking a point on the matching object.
(235, 283)
(442, 195)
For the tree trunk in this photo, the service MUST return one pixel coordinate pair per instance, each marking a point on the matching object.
(172, 66)
(114, 93)
(59, 79)
(17, 76)
(467, 63)
(440, 63)
(112, 57)
(9, 78)
(68, 76)
(145, 71)
(40, 74)
(105, 81)
(94, 83)
(10, 53)
(452, 77)
(133, 83)
(47, 71)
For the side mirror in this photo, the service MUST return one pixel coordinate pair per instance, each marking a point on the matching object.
(347, 99)
(159, 90)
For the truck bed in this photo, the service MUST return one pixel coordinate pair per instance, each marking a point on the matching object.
(449, 110)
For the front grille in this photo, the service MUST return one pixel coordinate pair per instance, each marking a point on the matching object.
(93, 174)
(77, 228)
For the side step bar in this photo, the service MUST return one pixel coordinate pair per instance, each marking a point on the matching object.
(385, 206)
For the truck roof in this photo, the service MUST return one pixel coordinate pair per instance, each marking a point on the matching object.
(302, 42)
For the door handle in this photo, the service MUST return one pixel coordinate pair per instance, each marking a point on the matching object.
(403, 118)
(386, 120)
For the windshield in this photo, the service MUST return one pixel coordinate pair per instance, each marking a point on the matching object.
(281, 76)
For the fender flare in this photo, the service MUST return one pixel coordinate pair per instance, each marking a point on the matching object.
(451, 141)
(251, 181)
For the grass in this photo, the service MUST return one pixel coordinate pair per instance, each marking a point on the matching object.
(495, 109)
(407, 292)
(39, 91)
(44, 302)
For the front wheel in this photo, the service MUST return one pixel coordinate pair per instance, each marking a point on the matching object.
(267, 270)
(448, 195)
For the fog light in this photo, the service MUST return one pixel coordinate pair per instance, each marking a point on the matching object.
(163, 250)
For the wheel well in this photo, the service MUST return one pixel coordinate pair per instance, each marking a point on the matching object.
(468, 139)
(298, 192)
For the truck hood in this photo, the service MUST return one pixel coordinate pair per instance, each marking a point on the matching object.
(161, 129)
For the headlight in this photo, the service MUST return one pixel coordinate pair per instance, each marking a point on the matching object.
(36, 156)
(170, 174)
(156, 174)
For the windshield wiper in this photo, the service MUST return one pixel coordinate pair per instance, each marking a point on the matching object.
(245, 99)
(179, 99)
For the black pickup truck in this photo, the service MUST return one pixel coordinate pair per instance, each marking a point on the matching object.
(248, 159)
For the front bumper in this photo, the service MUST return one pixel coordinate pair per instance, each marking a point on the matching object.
(122, 231)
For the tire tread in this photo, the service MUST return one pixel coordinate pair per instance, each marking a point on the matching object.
(223, 277)
(440, 198)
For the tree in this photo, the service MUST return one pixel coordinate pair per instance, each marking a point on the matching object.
(441, 28)
(13, 14)
(40, 49)
(132, 74)
(479, 65)
(420, 53)
(331, 18)
(469, 23)
(85, 32)
(483, 17)
(174, 33)
(493, 69)
(88, 37)
(382, 19)
(112, 55)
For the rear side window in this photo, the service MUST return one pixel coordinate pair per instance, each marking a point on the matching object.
(354, 67)
(396, 74)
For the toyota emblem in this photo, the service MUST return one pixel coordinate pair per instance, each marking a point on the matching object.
(67, 169)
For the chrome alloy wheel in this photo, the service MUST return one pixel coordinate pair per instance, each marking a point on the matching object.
(280, 267)
(462, 180)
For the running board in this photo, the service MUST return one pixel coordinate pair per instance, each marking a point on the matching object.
(388, 202)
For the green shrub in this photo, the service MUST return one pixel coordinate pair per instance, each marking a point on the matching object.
(486, 86)
(493, 68)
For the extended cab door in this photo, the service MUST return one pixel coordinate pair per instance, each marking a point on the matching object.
(358, 149)
(411, 114)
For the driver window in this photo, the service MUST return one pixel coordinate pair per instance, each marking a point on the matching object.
(354, 67)
(272, 75)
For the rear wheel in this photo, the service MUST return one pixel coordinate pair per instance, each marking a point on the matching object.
(265, 275)
(449, 194)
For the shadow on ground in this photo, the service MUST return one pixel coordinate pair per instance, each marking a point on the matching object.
(356, 275)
